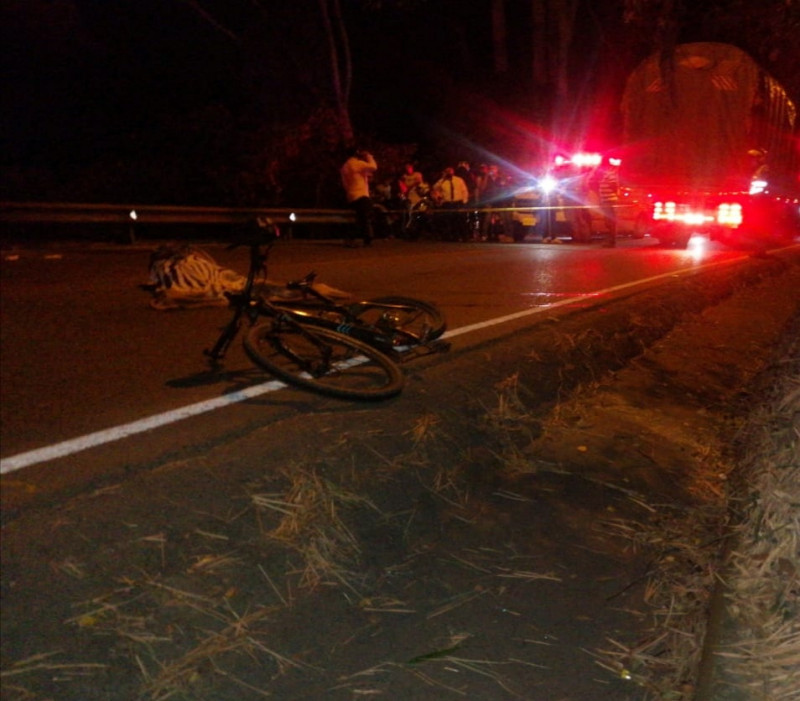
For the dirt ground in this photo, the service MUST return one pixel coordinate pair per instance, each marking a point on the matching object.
(530, 520)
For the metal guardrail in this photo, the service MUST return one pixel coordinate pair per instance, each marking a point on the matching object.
(133, 217)
(49, 212)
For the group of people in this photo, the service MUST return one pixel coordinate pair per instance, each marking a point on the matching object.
(456, 193)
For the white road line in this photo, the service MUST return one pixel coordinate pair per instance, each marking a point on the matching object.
(109, 435)
(572, 300)
(91, 440)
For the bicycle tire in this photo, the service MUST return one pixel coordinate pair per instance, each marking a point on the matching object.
(360, 371)
(422, 319)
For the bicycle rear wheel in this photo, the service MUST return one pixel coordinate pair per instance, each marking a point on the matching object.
(323, 361)
(421, 320)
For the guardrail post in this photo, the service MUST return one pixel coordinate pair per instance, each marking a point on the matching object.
(132, 217)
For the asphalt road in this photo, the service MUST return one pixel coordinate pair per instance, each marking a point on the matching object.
(86, 363)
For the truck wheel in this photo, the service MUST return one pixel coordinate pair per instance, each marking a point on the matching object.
(672, 236)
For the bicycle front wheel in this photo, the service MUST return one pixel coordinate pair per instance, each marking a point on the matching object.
(421, 320)
(324, 361)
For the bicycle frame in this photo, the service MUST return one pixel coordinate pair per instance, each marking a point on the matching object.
(251, 306)
(314, 309)
(317, 309)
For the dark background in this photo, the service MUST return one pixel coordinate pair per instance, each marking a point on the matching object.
(229, 102)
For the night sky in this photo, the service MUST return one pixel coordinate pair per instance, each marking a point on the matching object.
(80, 74)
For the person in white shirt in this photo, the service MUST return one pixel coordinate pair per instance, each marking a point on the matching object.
(356, 172)
(452, 193)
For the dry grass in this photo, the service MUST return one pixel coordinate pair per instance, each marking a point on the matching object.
(760, 575)
(684, 558)
(198, 667)
(311, 525)
(432, 667)
(157, 643)
(46, 662)
(425, 430)
(763, 577)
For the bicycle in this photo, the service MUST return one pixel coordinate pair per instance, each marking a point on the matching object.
(303, 343)
(401, 327)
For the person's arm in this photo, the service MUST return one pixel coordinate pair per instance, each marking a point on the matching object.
(369, 165)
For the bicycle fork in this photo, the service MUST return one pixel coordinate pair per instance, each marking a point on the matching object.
(220, 348)
(314, 367)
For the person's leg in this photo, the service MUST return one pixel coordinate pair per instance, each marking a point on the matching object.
(364, 219)
(611, 225)
(350, 230)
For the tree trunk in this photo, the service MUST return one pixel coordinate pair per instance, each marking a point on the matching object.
(341, 64)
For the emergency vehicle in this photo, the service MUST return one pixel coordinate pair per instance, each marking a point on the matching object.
(711, 138)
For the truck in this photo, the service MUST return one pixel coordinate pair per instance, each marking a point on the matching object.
(711, 142)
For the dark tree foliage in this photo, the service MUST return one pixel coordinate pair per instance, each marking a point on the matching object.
(248, 102)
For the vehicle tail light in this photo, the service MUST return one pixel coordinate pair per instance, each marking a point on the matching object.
(683, 214)
(664, 211)
(729, 214)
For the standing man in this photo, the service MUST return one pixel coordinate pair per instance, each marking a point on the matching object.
(453, 194)
(410, 184)
(608, 193)
(356, 172)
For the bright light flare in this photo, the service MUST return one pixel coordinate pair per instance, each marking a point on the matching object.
(757, 187)
(697, 248)
(133, 216)
(695, 218)
(548, 183)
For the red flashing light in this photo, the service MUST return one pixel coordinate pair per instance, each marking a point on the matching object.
(580, 160)
(583, 160)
